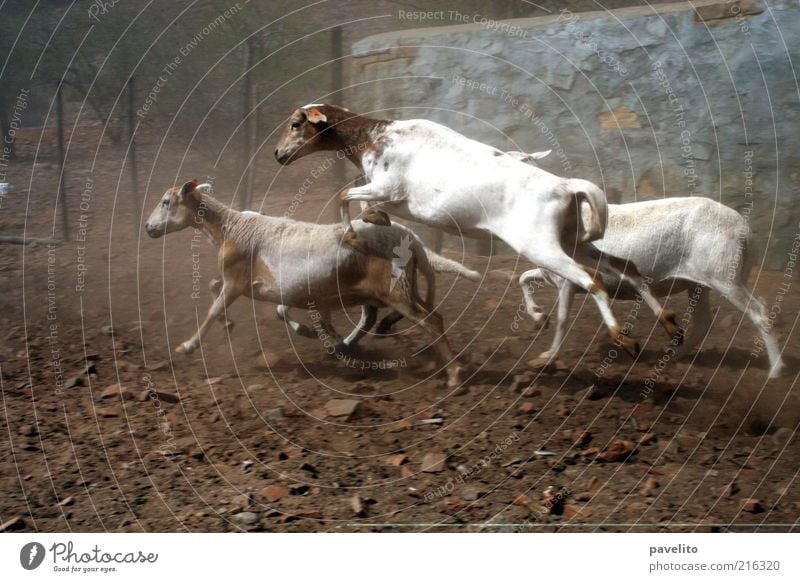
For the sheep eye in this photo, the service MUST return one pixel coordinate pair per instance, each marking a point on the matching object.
(165, 202)
(296, 125)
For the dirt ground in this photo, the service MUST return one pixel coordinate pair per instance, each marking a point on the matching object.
(238, 437)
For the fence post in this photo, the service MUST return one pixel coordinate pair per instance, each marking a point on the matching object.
(62, 177)
(249, 117)
(132, 147)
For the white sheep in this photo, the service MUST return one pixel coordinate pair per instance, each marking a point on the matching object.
(300, 264)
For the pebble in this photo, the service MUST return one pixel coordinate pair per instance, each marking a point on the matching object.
(342, 408)
(433, 462)
(245, 518)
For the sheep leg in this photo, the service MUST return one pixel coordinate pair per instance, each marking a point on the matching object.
(386, 324)
(629, 274)
(701, 322)
(553, 258)
(433, 324)
(369, 314)
(566, 293)
(297, 327)
(526, 280)
(215, 285)
(745, 302)
(222, 301)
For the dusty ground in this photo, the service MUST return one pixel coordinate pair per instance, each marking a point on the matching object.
(249, 445)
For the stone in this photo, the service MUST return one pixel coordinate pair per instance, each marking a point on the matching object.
(274, 414)
(528, 408)
(240, 502)
(730, 9)
(396, 460)
(648, 439)
(433, 462)
(573, 512)
(245, 518)
(782, 436)
(619, 451)
(66, 502)
(729, 490)
(273, 493)
(13, 524)
(118, 391)
(28, 430)
(357, 505)
(620, 118)
(581, 437)
(752, 505)
(106, 412)
(342, 408)
(649, 487)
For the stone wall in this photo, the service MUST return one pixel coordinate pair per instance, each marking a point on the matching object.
(647, 102)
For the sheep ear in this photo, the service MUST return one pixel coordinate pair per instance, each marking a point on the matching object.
(539, 155)
(205, 188)
(314, 115)
(188, 189)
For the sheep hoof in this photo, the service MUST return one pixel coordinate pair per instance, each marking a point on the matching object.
(454, 376)
(342, 349)
(350, 238)
(184, 348)
(304, 331)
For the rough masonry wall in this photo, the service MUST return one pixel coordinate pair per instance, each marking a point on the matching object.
(647, 102)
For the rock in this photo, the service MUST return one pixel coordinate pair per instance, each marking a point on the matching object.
(28, 430)
(590, 453)
(240, 502)
(591, 393)
(245, 518)
(118, 391)
(106, 412)
(157, 395)
(576, 513)
(752, 505)
(619, 451)
(396, 460)
(729, 9)
(528, 408)
(107, 329)
(471, 494)
(649, 487)
(342, 408)
(595, 484)
(523, 501)
(582, 496)
(687, 441)
(273, 493)
(66, 502)
(13, 524)
(648, 438)
(274, 414)
(74, 382)
(531, 392)
(563, 411)
(581, 437)
(521, 381)
(729, 490)
(433, 462)
(255, 388)
(782, 436)
(267, 360)
(159, 365)
(358, 506)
